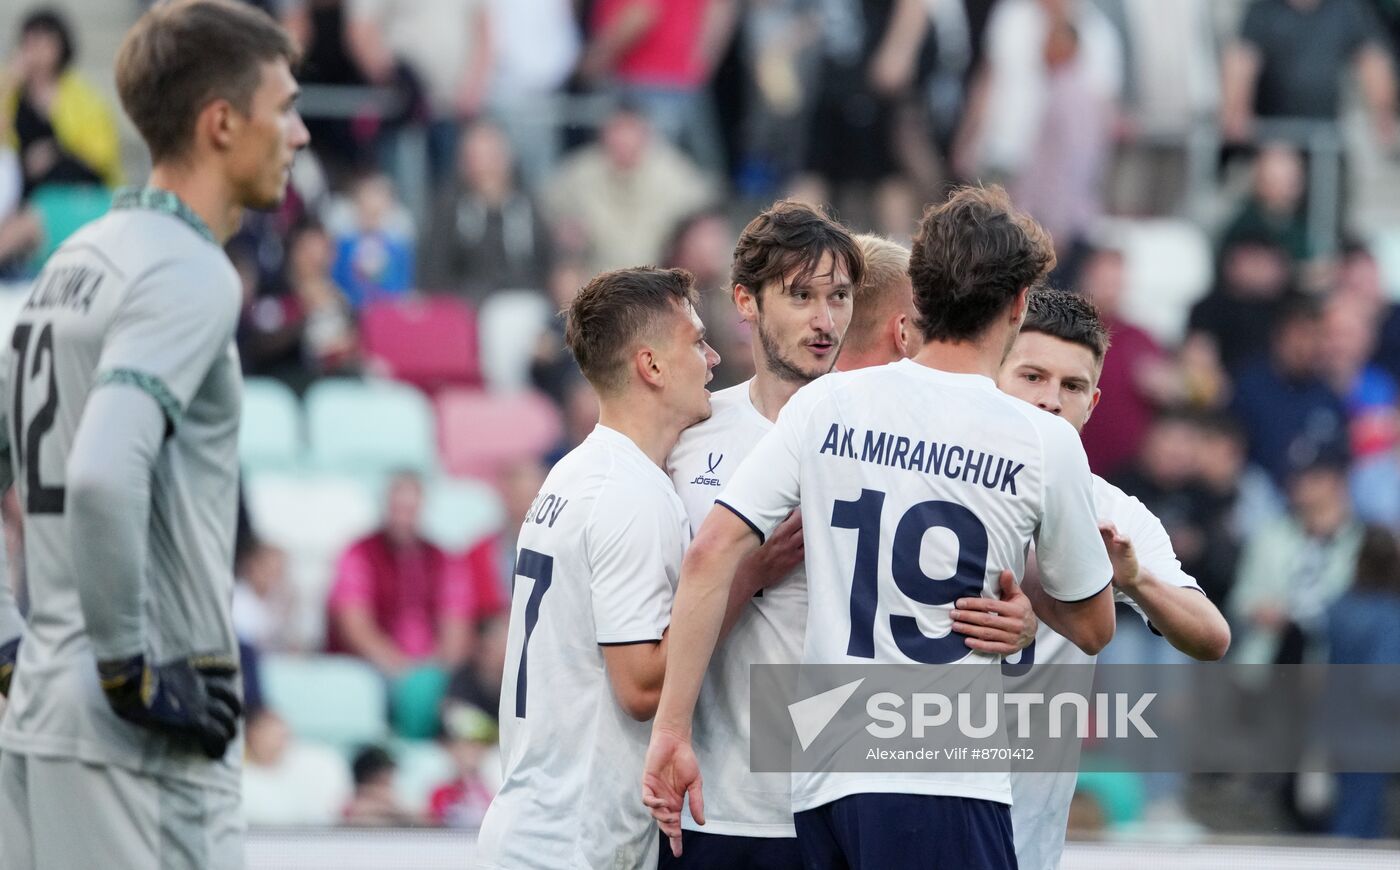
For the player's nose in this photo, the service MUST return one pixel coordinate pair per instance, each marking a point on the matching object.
(301, 137)
(822, 319)
(711, 356)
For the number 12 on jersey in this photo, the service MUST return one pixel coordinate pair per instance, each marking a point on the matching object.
(39, 499)
(865, 515)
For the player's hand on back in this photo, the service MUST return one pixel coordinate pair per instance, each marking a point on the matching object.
(999, 626)
(672, 774)
(1122, 554)
(782, 553)
(195, 698)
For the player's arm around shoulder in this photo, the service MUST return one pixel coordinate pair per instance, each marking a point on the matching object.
(1074, 595)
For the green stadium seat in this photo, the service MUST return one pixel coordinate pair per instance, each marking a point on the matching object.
(1120, 794)
(64, 208)
(269, 437)
(337, 700)
(367, 428)
(458, 513)
(313, 517)
(415, 702)
(423, 766)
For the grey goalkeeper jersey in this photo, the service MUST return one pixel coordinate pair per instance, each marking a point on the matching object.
(142, 297)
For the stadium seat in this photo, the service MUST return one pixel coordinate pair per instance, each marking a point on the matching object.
(1120, 794)
(62, 209)
(1385, 244)
(481, 433)
(429, 342)
(415, 702)
(313, 518)
(365, 429)
(458, 513)
(423, 766)
(269, 437)
(1169, 267)
(511, 323)
(336, 700)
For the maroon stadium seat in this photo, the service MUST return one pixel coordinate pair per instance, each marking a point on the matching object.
(428, 342)
(480, 432)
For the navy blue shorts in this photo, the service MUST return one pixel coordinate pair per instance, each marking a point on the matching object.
(701, 851)
(894, 831)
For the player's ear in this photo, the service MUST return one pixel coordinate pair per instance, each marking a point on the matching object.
(649, 367)
(746, 301)
(1093, 403)
(220, 122)
(901, 334)
(1018, 307)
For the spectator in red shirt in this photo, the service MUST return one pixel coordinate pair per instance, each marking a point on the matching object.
(1131, 374)
(661, 55)
(399, 602)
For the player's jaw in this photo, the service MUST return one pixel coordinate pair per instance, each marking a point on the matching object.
(802, 360)
(273, 134)
(692, 363)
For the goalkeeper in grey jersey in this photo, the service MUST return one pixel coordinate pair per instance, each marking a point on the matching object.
(121, 393)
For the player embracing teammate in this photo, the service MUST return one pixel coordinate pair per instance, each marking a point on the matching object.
(609, 600)
(974, 262)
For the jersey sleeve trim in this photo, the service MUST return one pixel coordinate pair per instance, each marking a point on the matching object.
(1079, 600)
(629, 642)
(748, 522)
(151, 386)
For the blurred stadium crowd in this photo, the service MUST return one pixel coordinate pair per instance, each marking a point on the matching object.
(1214, 173)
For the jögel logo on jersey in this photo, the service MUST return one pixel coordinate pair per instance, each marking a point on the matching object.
(712, 462)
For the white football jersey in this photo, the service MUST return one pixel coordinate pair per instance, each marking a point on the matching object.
(1040, 810)
(917, 487)
(598, 559)
(738, 801)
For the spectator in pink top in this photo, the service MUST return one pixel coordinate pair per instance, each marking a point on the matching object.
(399, 602)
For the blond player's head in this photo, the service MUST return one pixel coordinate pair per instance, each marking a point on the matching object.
(883, 326)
